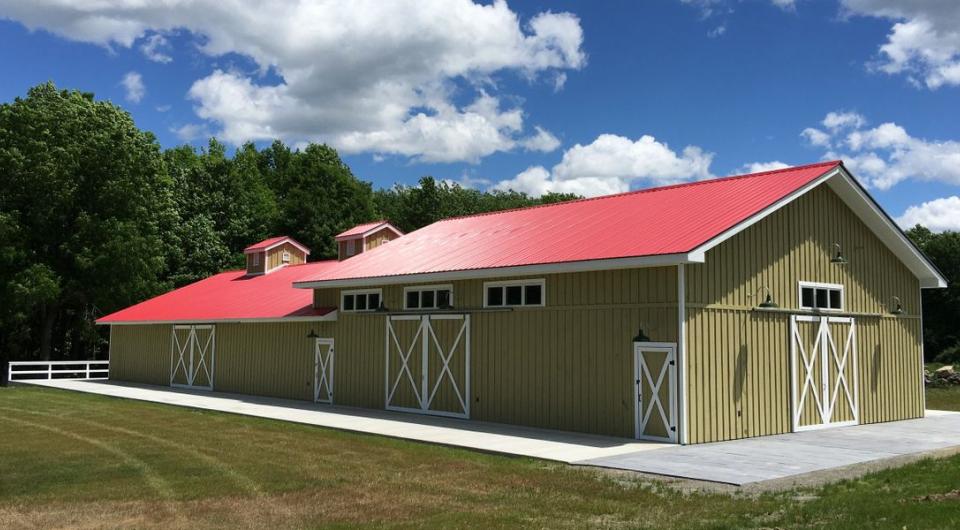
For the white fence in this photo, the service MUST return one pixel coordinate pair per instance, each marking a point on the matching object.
(33, 370)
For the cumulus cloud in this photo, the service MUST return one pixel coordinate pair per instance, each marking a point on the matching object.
(843, 120)
(133, 86)
(924, 40)
(153, 48)
(759, 167)
(543, 141)
(938, 215)
(887, 154)
(611, 164)
(366, 75)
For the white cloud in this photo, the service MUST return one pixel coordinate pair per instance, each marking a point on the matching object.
(842, 120)
(133, 85)
(938, 215)
(717, 31)
(887, 154)
(191, 132)
(816, 136)
(153, 46)
(543, 141)
(924, 41)
(786, 5)
(611, 164)
(365, 75)
(759, 167)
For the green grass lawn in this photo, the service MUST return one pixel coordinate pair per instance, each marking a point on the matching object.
(80, 460)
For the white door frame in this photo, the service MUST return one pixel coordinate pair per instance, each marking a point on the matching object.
(426, 391)
(189, 350)
(825, 353)
(668, 374)
(323, 371)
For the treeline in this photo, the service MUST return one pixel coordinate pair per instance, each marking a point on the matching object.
(95, 216)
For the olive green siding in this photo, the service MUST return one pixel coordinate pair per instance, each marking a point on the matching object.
(739, 359)
(570, 365)
(566, 366)
(261, 264)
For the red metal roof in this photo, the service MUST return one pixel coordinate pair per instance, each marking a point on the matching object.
(657, 221)
(231, 295)
(359, 230)
(273, 241)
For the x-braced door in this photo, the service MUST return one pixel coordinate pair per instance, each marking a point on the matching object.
(824, 382)
(655, 367)
(428, 364)
(192, 350)
(323, 371)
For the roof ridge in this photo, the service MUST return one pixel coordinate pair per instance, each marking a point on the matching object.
(648, 190)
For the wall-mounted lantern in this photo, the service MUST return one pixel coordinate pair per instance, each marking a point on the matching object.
(312, 335)
(382, 308)
(838, 257)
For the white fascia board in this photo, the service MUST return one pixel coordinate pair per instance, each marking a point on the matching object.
(329, 317)
(304, 249)
(501, 272)
(701, 251)
(887, 230)
(375, 229)
(856, 198)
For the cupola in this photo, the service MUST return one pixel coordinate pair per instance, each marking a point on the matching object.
(274, 253)
(365, 237)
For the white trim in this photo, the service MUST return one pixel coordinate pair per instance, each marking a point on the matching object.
(331, 316)
(193, 344)
(285, 257)
(682, 353)
(286, 239)
(822, 352)
(323, 370)
(923, 356)
(358, 292)
(377, 228)
(523, 292)
(820, 285)
(668, 374)
(499, 272)
(431, 287)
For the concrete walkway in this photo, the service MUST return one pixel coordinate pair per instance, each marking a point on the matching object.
(769, 458)
(740, 462)
(490, 437)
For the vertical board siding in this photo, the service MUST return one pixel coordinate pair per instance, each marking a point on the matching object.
(566, 366)
(739, 360)
(275, 256)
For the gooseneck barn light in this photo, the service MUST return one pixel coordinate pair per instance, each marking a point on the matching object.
(313, 335)
(641, 336)
(838, 257)
(896, 305)
(767, 302)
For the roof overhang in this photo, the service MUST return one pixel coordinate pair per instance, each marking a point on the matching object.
(865, 207)
(373, 230)
(500, 272)
(838, 178)
(277, 244)
(328, 317)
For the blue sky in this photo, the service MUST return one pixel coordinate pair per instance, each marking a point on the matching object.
(589, 97)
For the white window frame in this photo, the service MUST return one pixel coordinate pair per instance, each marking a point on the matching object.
(285, 257)
(355, 292)
(421, 288)
(820, 285)
(523, 296)
(351, 247)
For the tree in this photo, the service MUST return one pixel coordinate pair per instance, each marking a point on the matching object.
(85, 199)
(318, 197)
(941, 307)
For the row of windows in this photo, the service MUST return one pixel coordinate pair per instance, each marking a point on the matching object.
(530, 293)
(514, 293)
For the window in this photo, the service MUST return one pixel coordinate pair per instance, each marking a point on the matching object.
(428, 297)
(365, 300)
(286, 256)
(256, 258)
(514, 293)
(351, 248)
(826, 296)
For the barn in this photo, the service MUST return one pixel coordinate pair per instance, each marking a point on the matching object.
(736, 307)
